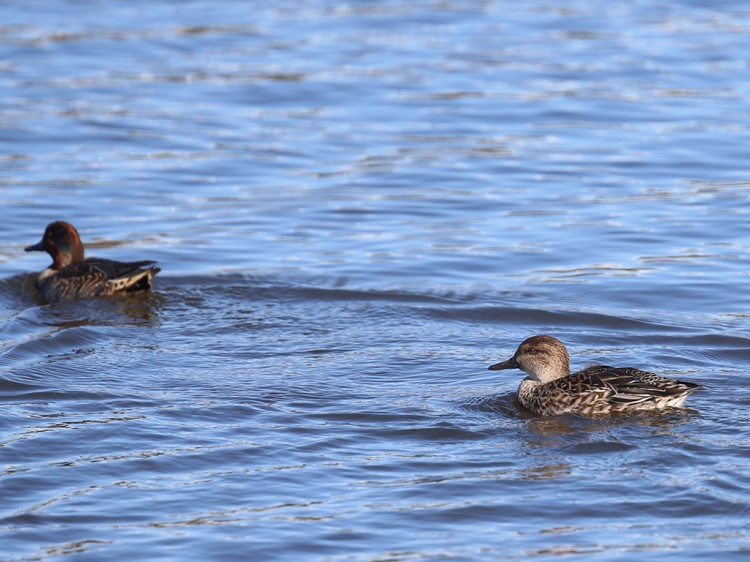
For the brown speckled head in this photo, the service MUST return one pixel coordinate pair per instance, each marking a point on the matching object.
(543, 358)
(61, 241)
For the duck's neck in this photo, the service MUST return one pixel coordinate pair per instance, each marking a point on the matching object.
(46, 273)
(543, 376)
(67, 257)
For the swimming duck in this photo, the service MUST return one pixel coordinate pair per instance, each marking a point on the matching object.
(71, 276)
(551, 389)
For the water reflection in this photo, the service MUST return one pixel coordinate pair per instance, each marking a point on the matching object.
(135, 310)
(618, 434)
(73, 547)
(550, 471)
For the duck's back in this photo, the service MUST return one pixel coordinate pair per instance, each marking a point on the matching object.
(118, 269)
(96, 277)
(602, 390)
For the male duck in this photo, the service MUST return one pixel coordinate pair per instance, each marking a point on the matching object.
(71, 276)
(550, 389)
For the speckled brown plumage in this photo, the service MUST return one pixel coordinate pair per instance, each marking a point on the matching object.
(550, 389)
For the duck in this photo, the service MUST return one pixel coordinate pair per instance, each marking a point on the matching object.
(72, 276)
(550, 389)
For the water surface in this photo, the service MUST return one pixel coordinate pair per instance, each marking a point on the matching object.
(357, 208)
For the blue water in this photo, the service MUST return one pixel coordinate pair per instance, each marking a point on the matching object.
(357, 208)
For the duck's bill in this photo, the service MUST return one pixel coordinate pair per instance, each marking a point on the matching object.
(38, 247)
(509, 364)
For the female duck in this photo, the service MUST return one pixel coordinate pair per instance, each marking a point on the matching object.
(71, 276)
(550, 389)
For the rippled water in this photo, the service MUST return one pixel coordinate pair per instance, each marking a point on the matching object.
(357, 208)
